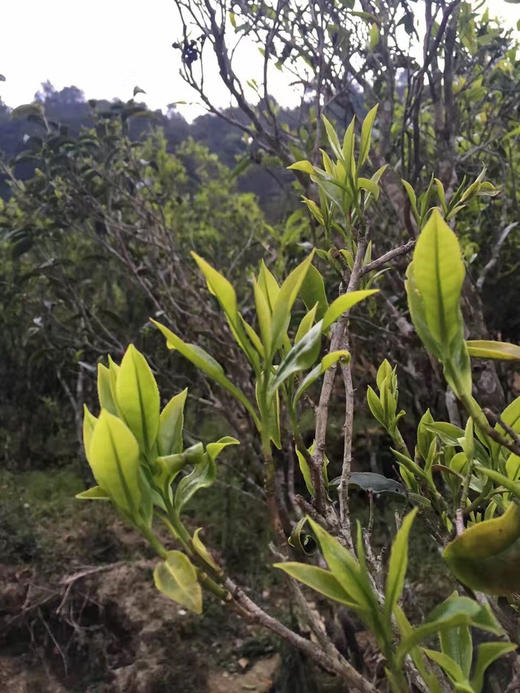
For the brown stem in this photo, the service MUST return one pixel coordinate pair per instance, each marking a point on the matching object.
(333, 663)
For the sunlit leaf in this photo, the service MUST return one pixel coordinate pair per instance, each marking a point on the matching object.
(366, 135)
(398, 564)
(434, 284)
(94, 493)
(114, 459)
(176, 577)
(285, 301)
(207, 364)
(488, 349)
(313, 291)
(302, 355)
(323, 581)
(138, 397)
(171, 422)
(344, 303)
(486, 556)
(326, 362)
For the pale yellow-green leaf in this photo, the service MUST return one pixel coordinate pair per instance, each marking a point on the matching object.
(439, 274)
(171, 422)
(306, 323)
(263, 314)
(344, 303)
(323, 581)
(374, 37)
(488, 349)
(348, 146)
(304, 166)
(369, 185)
(226, 296)
(94, 493)
(138, 397)
(268, 284)
(284, 303)
(332, 137)
(114, 460)
(89, 423)
(201, 549)
(105, 389)
(176, 577)
(326, 362)
(207, 364)
(366, 135)
(397, 565)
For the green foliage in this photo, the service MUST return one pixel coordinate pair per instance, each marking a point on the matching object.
(434, 285)
(122, 450)
(139, 461)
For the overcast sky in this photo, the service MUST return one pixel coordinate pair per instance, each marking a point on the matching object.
(106, 47)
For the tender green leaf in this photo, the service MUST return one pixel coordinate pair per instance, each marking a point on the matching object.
(284, 303)
(114, 459)
(454, 611)
(105, 390)
(488, 349)
(487, 653)
(375, 406)
(306, 472)
(374, 37)
(344, 303)
(89, 423)
(406, 629)
(512, 486)
(302, 355)
(457, 643)
(304, 166)
(226, 296)
(326, 362)
(424, 435)
(138, 398)
(170, 465)
(269, 285)
(305, 324)
(348, 147)
(446, 662)
(214, 449)
(313, 290)
(366, 135)
(323, 581)
(397, 565)
(176, 577)
(207, 364)
(314, 210)
(201, 549)
(332, 137)
(202, 476)
(434, 285)
(94, 493)
(171, 424)
(263, 313)
(345, 569)
(412, 197)
(270, 415)
(409, 465)
(302, 541)
(253, 337)
(369, 185)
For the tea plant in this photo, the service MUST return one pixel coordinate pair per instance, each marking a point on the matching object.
(464, 481)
